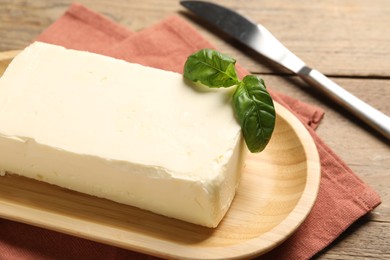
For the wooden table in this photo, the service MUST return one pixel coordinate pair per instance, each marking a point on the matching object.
(346, 40)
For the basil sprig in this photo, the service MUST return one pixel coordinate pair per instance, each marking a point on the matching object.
(252, 103)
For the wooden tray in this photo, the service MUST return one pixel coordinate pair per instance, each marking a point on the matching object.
(278, 189)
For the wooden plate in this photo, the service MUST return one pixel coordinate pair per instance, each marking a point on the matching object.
(278, 189)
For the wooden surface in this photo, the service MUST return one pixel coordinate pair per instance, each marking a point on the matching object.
(266, 210)
(348, 40)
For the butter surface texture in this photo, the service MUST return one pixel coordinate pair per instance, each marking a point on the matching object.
(129, 133)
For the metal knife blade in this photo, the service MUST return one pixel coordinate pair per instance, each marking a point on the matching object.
(247, 32)
(261, 40)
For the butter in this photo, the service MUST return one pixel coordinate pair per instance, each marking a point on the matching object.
(125, 132)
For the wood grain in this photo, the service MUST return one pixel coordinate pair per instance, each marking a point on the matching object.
(6, 58)
(350, 37)
(366, 154)
(277, 191)
(349, 40)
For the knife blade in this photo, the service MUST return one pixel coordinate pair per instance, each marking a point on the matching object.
(258, 38)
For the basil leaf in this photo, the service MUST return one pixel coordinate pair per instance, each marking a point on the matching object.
(211, 68)
(255, 111)
(252, 103)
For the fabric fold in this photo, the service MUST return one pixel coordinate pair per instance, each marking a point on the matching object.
(81, 29)
(343, 196)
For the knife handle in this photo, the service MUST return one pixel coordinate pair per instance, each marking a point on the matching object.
(356, 106)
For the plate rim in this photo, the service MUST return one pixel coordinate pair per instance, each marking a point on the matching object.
(172, 249)
(268, 240)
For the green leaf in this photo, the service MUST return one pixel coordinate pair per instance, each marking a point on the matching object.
(211, 68)
(255, 111)
(252, 103)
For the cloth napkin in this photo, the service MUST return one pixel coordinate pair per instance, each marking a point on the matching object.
(342, 198)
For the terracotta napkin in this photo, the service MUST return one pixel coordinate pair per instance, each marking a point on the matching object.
(342, 199)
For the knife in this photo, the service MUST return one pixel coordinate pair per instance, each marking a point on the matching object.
(258, 38)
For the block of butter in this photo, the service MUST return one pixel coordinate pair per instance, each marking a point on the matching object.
(125, 132)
